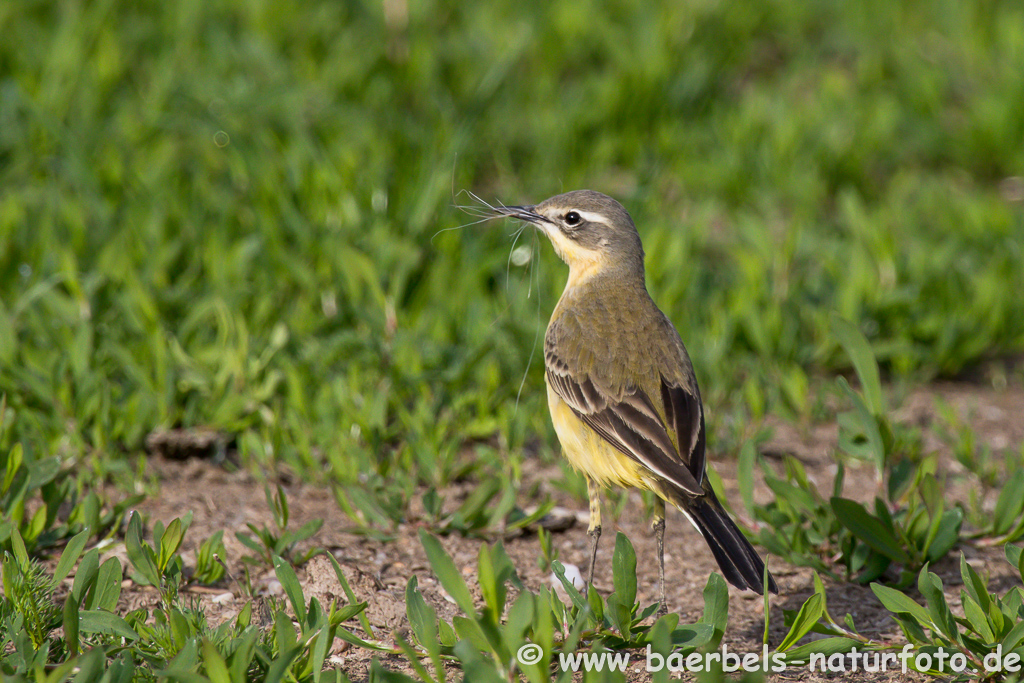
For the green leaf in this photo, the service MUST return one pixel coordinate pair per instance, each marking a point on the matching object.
(90, 667)
(745, 474)
(475, 666)
(307, 530)
(975, 587)
(1013, 637)
(279, 667)
(977, 618)
(42, 472)
(347, 612)
(70, 556)
(379, 673)
(492, 586)
(240, 660)
(526, 520)
(244, 617)
(469, 629)
(1015, 533)
(446, 573)
(15, 457)
(446, 634)
(595, 605)
(868, 528)
(216, 667)
(660, 640)
(863, 358)
(413, 658)
(947, 536)
(837, 483)
(806, 619)
(139, 553)
(895, 601)
(99, 621)
(422, 617)
(1012, 553)
(1016, 557)
(292, 587)
(931, 588)
(574, 594)
(624, 570)
(70, 623)
(869, 424)
(1009, 504)
(826, 646)
(350, 595)
(619, 613)
(279, 505)
(691, 636)
(520, 615)
(18, 546)
(85, 576)
(249, 542)
(107, 588)
(353, 639)
(716, 607)
(36, 525)
(170, 541)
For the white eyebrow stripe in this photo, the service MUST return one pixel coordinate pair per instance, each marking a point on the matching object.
(592, 217)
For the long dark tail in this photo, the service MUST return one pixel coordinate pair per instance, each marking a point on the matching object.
(739, 562)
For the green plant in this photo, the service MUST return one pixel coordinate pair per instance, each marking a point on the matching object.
(28, 613)
(814, 616)
(268, 544)
(962, 440)
(548, 551)
(40, 502)
(484, 641)
(210, 556)
(997, 474)
(175, 641)
(158, 564)
(989, 638)
(909, 523)
(490, 509)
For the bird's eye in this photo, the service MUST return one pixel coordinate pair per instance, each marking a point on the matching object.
(572, 218)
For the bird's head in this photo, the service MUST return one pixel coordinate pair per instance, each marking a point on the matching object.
(590, 231)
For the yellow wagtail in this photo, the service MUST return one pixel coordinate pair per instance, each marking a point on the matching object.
(621, 389)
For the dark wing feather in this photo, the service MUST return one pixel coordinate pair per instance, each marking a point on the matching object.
(686, 417)
(631, 424)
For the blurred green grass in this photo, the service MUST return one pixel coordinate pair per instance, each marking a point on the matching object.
(225, 213)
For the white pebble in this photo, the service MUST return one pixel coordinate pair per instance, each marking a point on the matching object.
(572, 572)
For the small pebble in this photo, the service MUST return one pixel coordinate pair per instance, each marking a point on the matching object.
(572, 572)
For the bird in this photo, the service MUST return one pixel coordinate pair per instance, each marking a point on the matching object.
(621, 389)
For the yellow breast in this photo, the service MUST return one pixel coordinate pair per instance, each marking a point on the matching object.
(590, 454)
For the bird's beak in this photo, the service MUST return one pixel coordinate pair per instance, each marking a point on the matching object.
(523, 213)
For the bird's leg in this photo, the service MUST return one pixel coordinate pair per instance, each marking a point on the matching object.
(658, 524)
(594, 530)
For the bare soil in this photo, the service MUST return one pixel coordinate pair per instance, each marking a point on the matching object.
(378, 571)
